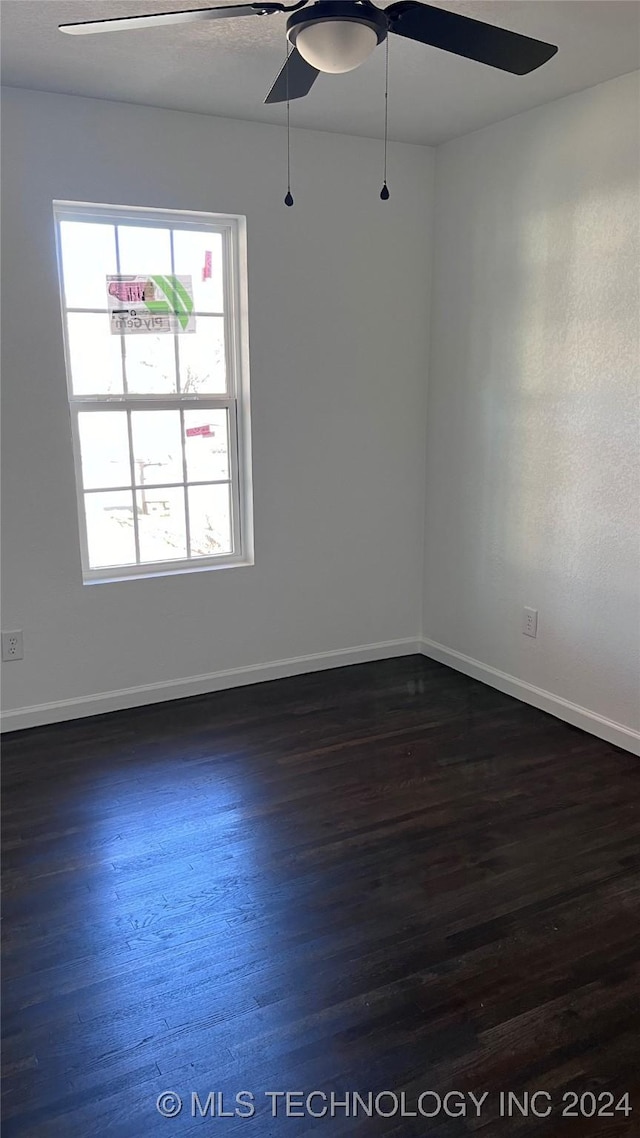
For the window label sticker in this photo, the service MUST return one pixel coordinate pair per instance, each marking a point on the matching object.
(150, 304)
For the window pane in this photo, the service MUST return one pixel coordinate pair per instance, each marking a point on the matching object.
(94, 355)
(150, 363)
(161, 525)
(203, 366)
(157, 448)
(206, 445)
(88, 254)
(104, 442)
(110, 533)
(144, 250)
(199, 254)
(209, 520)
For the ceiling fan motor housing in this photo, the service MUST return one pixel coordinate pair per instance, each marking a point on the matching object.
(337, 35)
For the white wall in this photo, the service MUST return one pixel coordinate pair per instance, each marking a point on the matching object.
(532, 440)
(338, 294)
(532, 448)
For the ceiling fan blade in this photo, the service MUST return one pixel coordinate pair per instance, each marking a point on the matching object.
(497, 47)
(295, 80)
(193, 16)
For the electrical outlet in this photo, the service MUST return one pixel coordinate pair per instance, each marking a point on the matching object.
(530, 622)
(12, 646)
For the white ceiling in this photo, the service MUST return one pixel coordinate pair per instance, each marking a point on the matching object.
(226, 67)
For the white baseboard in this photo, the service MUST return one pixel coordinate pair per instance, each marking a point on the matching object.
(40, 714)
(563, 709)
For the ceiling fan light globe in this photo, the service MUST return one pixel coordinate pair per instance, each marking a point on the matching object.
(336, 46)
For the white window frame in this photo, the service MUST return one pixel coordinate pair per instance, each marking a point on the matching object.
(235, 401)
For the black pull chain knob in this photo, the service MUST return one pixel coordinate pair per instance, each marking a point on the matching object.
(289, 198)
(384, 193)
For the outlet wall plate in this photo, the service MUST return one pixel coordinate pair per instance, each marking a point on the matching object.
(530, 622)
(12, 647)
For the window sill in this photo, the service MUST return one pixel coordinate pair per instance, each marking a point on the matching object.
(144, 572)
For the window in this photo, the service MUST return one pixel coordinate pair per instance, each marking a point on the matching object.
(154, 315)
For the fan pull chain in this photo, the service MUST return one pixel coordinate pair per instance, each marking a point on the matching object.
(384, 192)
(288, 196)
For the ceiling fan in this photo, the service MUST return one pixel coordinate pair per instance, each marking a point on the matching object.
(338, 35)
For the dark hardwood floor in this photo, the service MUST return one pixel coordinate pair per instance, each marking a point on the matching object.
(380, 878)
